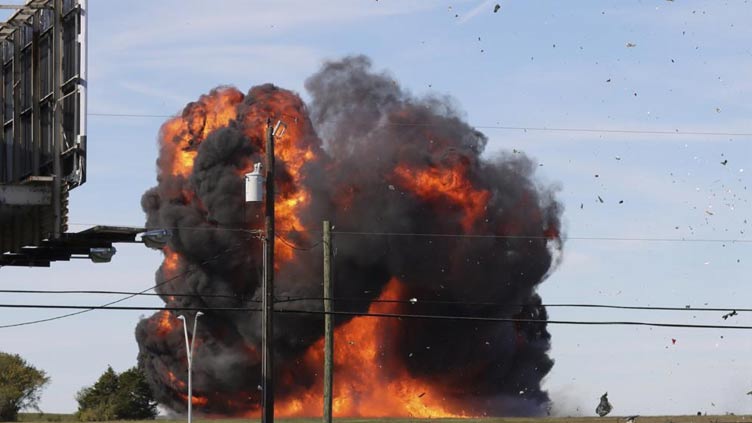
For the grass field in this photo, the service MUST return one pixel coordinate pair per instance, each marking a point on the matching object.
(34, 417)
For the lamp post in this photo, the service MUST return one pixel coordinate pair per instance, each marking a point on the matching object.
(189, 354)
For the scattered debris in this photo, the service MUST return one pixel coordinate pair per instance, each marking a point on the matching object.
(621, 201)
(582, 206)
(631, 419)
(600, 199)
(497, 7)
(673, 341)
(630, 45)
(413, 300)
(604, 407)
(608, 80)
(731, 314)
(749, 393)
(421, 395)
(391, 187)
(724, 162)
(708, 212)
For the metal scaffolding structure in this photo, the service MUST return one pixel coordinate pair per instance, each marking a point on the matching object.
(43, 114)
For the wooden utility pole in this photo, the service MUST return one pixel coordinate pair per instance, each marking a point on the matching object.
(328, 324)
(267, 330)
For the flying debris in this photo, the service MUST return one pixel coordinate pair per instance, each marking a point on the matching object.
(604, 407)
(497, 7)
(600, 199)
(731, 314)
(724, 162)
(631, 45)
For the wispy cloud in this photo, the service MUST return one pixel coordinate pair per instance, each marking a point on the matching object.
(167, 22)
(485, 5)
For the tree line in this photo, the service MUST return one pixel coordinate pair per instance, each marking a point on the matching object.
(114, 396)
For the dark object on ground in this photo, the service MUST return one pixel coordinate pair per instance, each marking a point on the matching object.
(604, 407)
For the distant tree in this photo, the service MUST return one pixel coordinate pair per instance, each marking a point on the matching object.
(135, 400)
(126, 396)
(20, 386)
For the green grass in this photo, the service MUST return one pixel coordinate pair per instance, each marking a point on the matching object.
(69, 418)
(45, 417)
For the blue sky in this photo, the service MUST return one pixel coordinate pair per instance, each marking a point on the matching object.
(533, 64)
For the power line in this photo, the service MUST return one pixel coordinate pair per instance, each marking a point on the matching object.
(294, 247)
(63, 316)
(99, 292)
(449, 235)
(416, 302)
(384, 315)
(508, 128)
(515, 320)
(540, 237)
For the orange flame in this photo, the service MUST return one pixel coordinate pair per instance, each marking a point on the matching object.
(166, 323)
(292, 150)
(170, 262)
(446, 185)
(181, 135)
(196, 400)
(174, 381)
(362, 387)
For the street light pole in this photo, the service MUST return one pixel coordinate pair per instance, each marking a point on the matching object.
(267, 330)
(189, 354)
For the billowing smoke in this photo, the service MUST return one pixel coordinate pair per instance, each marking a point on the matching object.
(418, 214)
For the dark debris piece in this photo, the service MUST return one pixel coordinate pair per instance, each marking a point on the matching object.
(600, 199)
(604, 407)
(725, 162)
(731, 314)
(497, 7)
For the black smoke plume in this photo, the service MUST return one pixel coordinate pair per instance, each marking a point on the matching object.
(362, 131)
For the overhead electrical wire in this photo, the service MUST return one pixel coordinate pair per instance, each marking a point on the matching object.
(507, 127)
(111, 303)
(100, 292)
(581, 238)
(384, 315)
(449, 235)
(412, 301)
